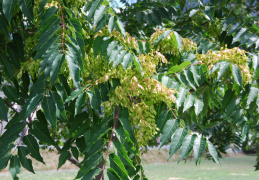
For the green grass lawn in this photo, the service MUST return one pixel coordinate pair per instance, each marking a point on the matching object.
(231, 168)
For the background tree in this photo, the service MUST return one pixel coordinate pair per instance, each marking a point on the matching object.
(187, 72)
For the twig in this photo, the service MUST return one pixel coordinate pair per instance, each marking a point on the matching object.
(115, 121)
(63, 25)
(184, 5)
(11, 106)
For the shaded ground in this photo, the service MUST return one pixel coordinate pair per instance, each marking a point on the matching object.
(156, 168)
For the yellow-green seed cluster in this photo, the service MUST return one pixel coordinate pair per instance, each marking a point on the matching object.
(139, 94)
(235, 55)
(188, 45)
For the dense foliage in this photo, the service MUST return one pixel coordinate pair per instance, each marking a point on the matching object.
(81, 79)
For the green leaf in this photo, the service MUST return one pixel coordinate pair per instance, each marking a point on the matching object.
(81, 130)
(237, 74)
(49, 20)
(181, 95)
(128, 58)
(3, 27)
(167, 132)
(63, 158)
(8, 8)
(75, 152)
(118, 166)
(47, 59)
(95, 104)
(193, 12)
(18, 45)
(162, 118)
(41, 132)
(80, 143)
(27, 8)
(59, 104)
(49, 108)
(93, 8)
(61, 91)
(121, 27)
(90, 175)
(189, 77)
(179, 41)
(76, 24)
(91, 163)
(55, 67)
(32, 104)
(232, 106)
(15, 119)
(78, 120)
(111, 24)
(26, 163)
(7, 66)
(112, 174)
(227, 98)
(245, 129)
(11, 93)
(198, 104)
(183, 80)
(255, 62)
(124, 139)
(213, 152)
(98, 135)
(3, 110)
(44, 46)
(177, 68)
(15, 166)
(187, 145)
(73, 69)
(5, 154)
(115, 53)
(80, 42)
(177, 140)
(75, 52)
(119, 58)
(124, 119)
(13, 55)
(188, 103)
(223, 67)
(80, 101)
(198, 148)
(237, 117)
(74, 94)
(100, 13)
(12, 133)
(95, 147)
(33, 147)
(239, 34)
(162, 37)
(252, 95)
(122, 153)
